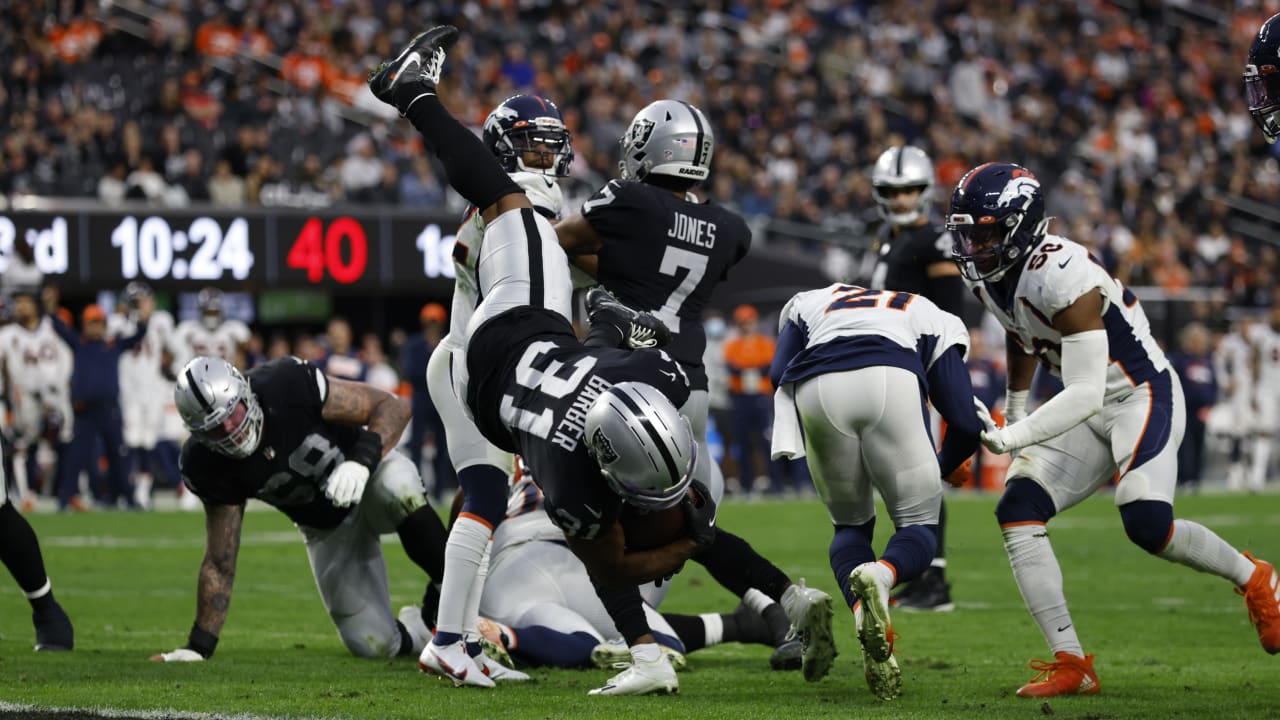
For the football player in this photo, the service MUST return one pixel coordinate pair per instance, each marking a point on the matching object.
(140, 372)
(650, 242)
(884, 348)
(1233, 364)
(1262, 78)
(20, 553)
(571, 410)
(212, 334)
(1265, 342)
(319, 450)
(913, 254)
(1120, 414)
(527, 136)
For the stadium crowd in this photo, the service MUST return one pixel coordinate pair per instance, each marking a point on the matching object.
(1135, 118)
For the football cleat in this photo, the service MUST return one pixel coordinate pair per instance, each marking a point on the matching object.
(497, 671)
(53, 629)
(927, 593)
(809, 610)
(642, 678)
(421, 61)
(883, 678)
(615, 652)
(876, 629)
(495, 638)
(1262, 598)
(1068, 675)
(411, 618)
(453, 662)
(637, 329)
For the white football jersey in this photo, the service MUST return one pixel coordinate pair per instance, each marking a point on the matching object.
(37, 360)
(140, 367)
(1233, 364)
(848, 327)
(1053, 277)
(1266, 348)
(191, 338)
(544, 192)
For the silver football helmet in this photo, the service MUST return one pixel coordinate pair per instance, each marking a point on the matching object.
(218, 407)
(903, 167)
(209, 302)
(669, 137)
(643, 445)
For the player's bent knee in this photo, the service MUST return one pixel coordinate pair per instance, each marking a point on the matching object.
(1148, 523)
(1024, 500)
(395, 490)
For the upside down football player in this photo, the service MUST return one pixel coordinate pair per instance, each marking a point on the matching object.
(597, 425)
(319, 450)
(1120, 414)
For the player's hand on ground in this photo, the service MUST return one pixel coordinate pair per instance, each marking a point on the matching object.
(346, 483)
(700, 515)
(179, 655)
(994, 438)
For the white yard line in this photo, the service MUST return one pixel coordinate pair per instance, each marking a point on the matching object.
(52, 712)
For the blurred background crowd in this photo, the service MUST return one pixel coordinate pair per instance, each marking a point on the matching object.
(1131, 112)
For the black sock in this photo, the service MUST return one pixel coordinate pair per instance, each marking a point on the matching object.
(738, 567)
(431, 604)
(691, 630)
(779, 624)
(423, 537)
(942, 527)
(20, 551)
(406, 641)
(471, 168)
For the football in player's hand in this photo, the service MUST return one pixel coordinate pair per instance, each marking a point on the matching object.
(646, 530)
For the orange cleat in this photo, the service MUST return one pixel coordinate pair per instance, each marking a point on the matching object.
(1068, 675)
(1262, 598)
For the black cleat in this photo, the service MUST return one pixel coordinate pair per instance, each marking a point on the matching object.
(53, 629)
(421, 61)
(636, 329)
(927, 593)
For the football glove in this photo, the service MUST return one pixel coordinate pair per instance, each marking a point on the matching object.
(962, 475)
(996, 439)
(700, 515)
(345, 485)
(179, 655)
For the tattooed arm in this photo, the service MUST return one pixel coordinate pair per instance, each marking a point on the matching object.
(213, 590)
(355, 403)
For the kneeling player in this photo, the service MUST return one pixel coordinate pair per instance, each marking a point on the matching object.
(295, 438)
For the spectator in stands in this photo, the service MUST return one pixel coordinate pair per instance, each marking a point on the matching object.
(413, 367)
(381, 374)
(342, 360)
(1194, 364)
(95, 399)
(748, 355)
(226, 189)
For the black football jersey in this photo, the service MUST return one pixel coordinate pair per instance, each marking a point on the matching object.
(297, 452)
(904, 255)
(530, 385)
(665, 255)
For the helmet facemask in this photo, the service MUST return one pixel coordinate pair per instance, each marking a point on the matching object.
(546, 139)
(1262, 89)
(235, 433)
(885, 196)
(986, 249)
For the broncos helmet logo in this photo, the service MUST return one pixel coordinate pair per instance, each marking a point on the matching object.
(1024, 187)
(500, 113)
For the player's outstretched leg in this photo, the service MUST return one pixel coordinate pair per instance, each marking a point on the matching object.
(20, 552)
(810, 612)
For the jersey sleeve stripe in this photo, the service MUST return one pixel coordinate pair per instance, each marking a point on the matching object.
(534, 240)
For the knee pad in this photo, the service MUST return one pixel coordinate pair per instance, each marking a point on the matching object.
(484, 490)
(1148, 523)
(1024, 500)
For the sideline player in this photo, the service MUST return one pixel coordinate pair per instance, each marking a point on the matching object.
(570, 410)
(914, 255)
(1120, 414)
(527, 136)
(212, 334)
(318, 449)
(843, 342)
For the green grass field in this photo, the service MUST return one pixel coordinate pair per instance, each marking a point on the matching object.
(1170, 643)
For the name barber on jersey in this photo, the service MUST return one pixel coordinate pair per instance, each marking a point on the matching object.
(569, 431)
(694, 231)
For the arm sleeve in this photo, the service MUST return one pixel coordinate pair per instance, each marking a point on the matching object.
(69, 336)
(131, 342)
(1084, 378)
(791, 340)
(951, 393)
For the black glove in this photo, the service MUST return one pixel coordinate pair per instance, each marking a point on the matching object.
(700, 515)
(616, 325)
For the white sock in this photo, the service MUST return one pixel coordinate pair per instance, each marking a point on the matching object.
(712, 629)
(1198, 547)
(757, 601)
(462, 555)
(1039, 578)
(938, 562)
(473, 598)
(45, 589)
(1261, 457)
(646, 653)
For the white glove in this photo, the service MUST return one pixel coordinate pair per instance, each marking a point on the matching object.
(179, 655)
(345, 484)
(996, 439)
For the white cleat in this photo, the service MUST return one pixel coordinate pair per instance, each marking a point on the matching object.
(411, 618)
(498, 672)
(867, 582)
(809, 610)
(453, 662)
(642, 678)
(614, 652)
(188, 501)
(883, 678)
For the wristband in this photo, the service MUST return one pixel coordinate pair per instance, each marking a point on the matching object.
(201, 641)
(367, 451)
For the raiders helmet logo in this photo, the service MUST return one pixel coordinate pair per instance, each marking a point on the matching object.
(639, 132)
(602, 448)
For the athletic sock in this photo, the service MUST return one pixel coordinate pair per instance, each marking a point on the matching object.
(470, 167)
(909, 551)
(463, 553)
(423, 538)
(1198, 547)
(1039, 578)
(940, 555)
(774, 616)
(20, 552)
(851, 547)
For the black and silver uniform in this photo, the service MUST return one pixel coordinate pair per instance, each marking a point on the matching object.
(297, 452)
(903, 257)
(666, 255)
(530, 385)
